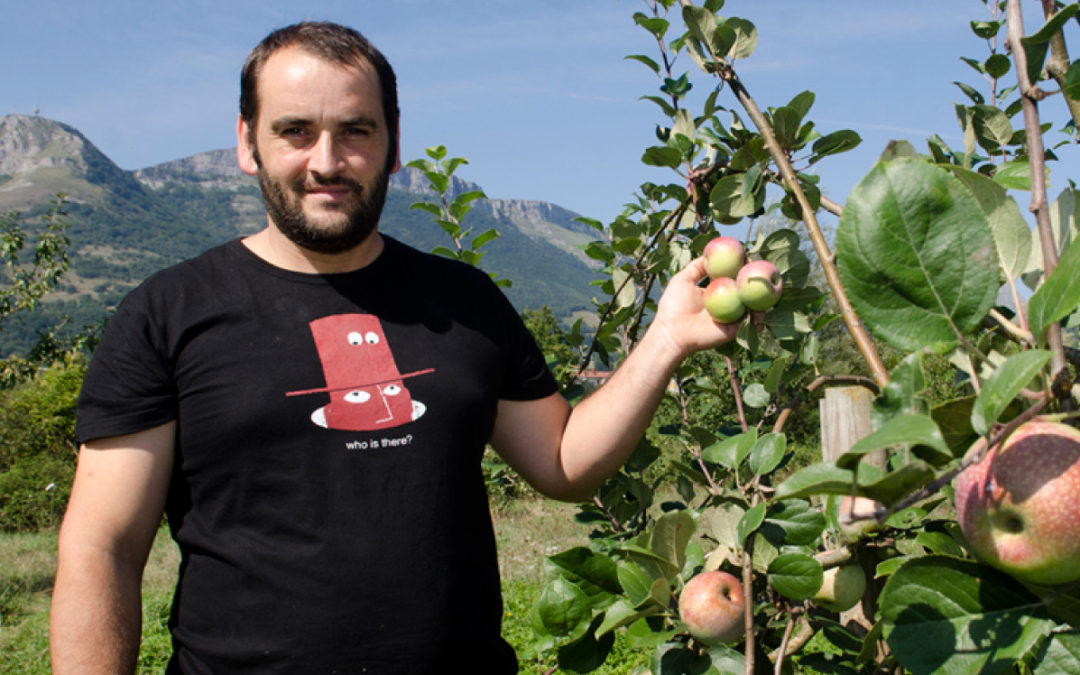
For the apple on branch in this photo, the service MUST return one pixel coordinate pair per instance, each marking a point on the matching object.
(759, 285)
(722, 300)
(724, 257)
(711, 605)
(841, 589)
(1018, 507)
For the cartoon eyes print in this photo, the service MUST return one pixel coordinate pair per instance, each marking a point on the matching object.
(356, 338)
(358, 397)
(392, 390)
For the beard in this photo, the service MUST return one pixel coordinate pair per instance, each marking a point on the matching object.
(283, 205)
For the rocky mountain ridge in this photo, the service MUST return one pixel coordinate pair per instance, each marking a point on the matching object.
(127, 224)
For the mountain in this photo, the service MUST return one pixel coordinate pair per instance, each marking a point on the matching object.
(127, 224)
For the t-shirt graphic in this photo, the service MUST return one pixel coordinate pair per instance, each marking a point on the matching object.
(366, 389)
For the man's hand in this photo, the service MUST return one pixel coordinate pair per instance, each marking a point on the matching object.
(681, 318)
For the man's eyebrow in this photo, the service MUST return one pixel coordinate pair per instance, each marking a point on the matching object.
(283, 123)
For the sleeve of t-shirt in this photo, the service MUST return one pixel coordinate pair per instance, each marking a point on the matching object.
(128, 387)
(528, 376)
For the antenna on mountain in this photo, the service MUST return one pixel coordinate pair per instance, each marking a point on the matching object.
(37, 111)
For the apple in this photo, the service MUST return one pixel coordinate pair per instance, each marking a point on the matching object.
(711, 606)
(1018, 506)
(722, 300)
(841, 589)
(759, 284)
(724, 257)
(858, 516)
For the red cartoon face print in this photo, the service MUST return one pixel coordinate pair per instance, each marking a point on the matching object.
(366, 389)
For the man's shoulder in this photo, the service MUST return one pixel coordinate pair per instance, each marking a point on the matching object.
(432, 266)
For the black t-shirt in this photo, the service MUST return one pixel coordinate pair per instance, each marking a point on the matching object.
(326, 492)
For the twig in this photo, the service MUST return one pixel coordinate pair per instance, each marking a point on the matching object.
(821, 247)
(1029, 96)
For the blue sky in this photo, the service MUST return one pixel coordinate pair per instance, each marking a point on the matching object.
(537, 94)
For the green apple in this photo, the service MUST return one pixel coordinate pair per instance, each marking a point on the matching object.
(841, 589)
(711, 605)
(722, 300)
(1018, 507)
(724, 257)
(760, 285)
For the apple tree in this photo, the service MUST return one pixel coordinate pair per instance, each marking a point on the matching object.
(926, 243)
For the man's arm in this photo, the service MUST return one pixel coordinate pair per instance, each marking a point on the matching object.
(567, 453)
(115, 508)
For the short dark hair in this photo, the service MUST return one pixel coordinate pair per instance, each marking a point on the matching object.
(330, 41)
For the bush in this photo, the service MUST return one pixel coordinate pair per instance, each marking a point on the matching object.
(37, 447)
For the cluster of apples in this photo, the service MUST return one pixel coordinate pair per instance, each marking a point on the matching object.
(738, 285)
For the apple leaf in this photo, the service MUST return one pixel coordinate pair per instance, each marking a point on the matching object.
(1037, 44)
(636, 584)
(824, 478)
(795, 575)
(750, 522)
(767, 453)
(731, 451)
(1012, 236)
(594, 573)
(586, 653)
(564, 609)
(670, 535)
(944, 614)
(1064, 228)
(1061, 655)
(1003, 386)
(793, 522)
(1059, 294)
(904, 430)
(917, 256)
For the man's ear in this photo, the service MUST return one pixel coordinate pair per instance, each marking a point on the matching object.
(245, 148)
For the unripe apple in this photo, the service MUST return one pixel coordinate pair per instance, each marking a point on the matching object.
(722, 300)
(711, 606)
(841, 588)
(724, 257)
(760, 285)
(1018, 507)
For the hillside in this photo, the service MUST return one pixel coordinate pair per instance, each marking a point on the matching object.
(127, 224)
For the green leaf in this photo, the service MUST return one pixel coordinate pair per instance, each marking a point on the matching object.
(662, 156)
(1012, 236)
(592, 572)
(997, 65)
(635, 583)
(1062, 655)
(824, 478)
(785, 125)
(564, 609)
(670, 535)
(902, 430)
(738, 195)
(619, 614)
(746, 38)
(943, 614)
(484, 238)
(793, 522)
(993, 130)
(751, 521)
(1059, 294)
(700, 22)
(586, 653)
(835, 143)
(653, 65)
(917, 256)
(767, 453)
(731, 451)
(1004, 385)
(986, 29)
(1036, 44)
(802, 102)
(756, 396)
(1014, 174)
(625, 290)
(795, 575)
(1071, 88)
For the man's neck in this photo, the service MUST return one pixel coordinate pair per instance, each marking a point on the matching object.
(279, 251)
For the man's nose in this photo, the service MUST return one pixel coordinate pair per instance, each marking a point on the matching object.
(325, 158)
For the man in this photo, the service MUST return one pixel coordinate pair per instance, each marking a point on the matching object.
(309, 406)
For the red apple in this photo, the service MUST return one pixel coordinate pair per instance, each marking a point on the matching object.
(722, 300)
(1019, 507)
(760, 285)
(841, 589)
(711, 606)
(724, 257)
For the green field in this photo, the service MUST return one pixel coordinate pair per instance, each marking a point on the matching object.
(527, 529)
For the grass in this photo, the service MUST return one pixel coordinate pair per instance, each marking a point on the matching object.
(526, 529)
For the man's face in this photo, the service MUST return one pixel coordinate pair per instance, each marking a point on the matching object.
(319, 148)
